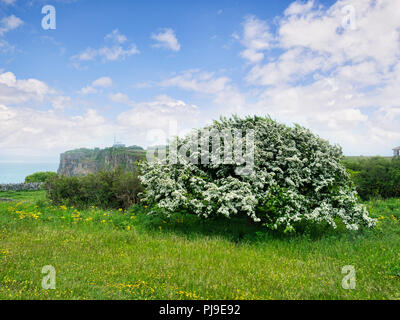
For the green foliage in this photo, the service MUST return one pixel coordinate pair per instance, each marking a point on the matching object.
(27, 196)
(182, 257)
(106, 189)
(375, 177)
(40, 177)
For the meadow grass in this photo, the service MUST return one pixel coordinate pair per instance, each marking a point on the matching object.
(27, 196)
(117, 254)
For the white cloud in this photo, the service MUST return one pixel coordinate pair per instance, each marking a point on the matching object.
(121, 98)
(8, 2)
(166, 39)
(198, 81)
(375, 36)
(116, 52)
(9, 23)
(87, 55)
(144, 84)
(342, 83)
(29, 92)
(103, 82)
(28, 132)
(33, 122)
(256, 39)
(156, 121)
(116, 36)
(88, 90)
(224, 93)
(158, 113)
(299, 8)
(293, 65)
(60, 102)
(5, 47)
(13, 91)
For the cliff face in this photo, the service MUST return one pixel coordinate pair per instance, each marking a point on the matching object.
(87, 161)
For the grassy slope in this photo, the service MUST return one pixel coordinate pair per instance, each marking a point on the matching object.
(127, 255)
(27, 196)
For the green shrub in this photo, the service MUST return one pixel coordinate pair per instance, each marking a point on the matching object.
(40, 177)
(106, 189)
(376, 177)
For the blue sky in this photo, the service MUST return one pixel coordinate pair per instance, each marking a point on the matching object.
(203, 28)
(138, 69)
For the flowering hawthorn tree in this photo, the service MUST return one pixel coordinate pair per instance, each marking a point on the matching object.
(296, 177)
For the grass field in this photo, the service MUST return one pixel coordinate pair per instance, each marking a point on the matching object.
(119, 254)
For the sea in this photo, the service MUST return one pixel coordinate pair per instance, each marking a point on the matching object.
(16, 172)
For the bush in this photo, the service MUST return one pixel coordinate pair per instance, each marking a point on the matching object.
(40, 177)
(106, 189)
(375, 177)
(297, 178)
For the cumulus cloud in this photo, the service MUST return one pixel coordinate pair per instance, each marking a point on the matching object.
(157, 113)
(88, 90)
(33, 121)
(13, 91)
(103, 82)
(166, 39)
(9, 23)
(27, 132)
(116, 50)
(220, 88)
(156, 121)
(305, 66)
(198, 81)
(24, 92)
(113, 53)
(60, 102)
(5, 47)
(121, 98)
(256, 39)
(340, 81)
(299, 8)
(115, 36)
(86, 55)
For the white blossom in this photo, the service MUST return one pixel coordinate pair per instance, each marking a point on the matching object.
(297, 177)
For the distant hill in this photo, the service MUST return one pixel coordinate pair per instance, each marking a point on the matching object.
(83, 161)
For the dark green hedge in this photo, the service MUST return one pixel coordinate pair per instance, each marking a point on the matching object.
(106, 189)
(375, 177)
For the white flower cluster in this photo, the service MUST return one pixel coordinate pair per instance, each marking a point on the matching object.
(297, 177)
